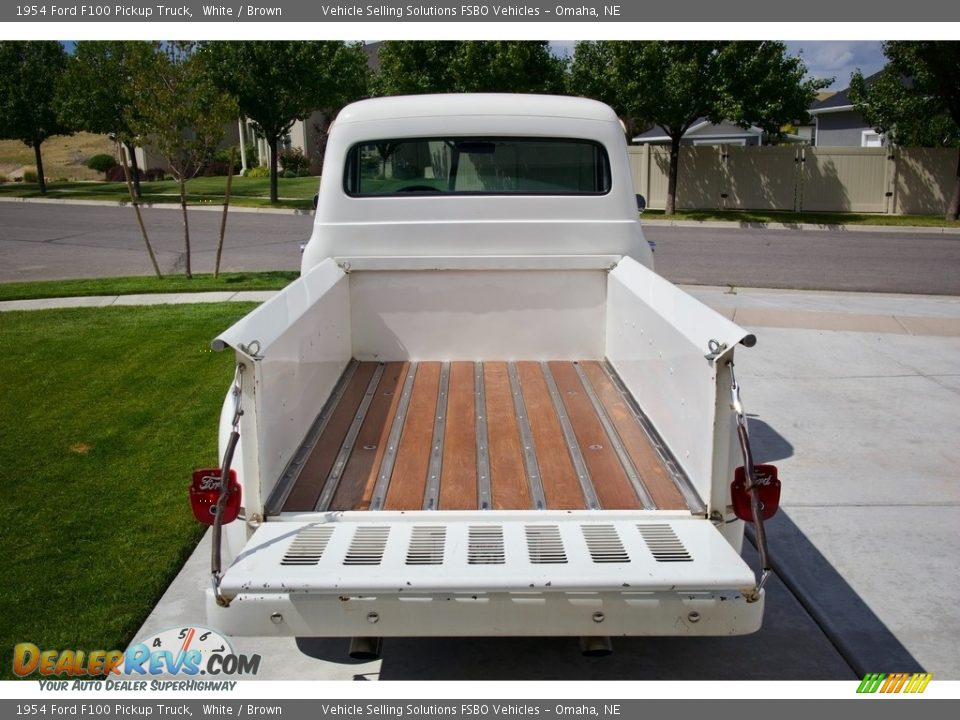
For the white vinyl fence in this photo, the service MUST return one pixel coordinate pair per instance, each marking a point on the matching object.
(890, 180)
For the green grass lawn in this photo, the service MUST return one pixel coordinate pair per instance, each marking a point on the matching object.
(249, 192)
(105, 414)
(761, 216)
(234, 282)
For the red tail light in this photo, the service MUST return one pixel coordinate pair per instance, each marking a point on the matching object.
(768, 488)
(204, 492)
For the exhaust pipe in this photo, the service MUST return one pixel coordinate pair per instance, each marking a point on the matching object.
(366, 648)
(595, 646)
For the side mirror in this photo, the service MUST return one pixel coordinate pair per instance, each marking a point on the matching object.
(641, 203)
(316, 200)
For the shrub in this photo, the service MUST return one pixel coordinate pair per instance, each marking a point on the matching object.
(223, 157)
(253, 157)
(30, 176)
(101, 162)
(115, 174)
(4, 179)
(261, 171)
(216, 168)
(294, 161)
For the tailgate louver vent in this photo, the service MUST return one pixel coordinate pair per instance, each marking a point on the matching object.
(426, 545)
(604, 544)
(367, 546)
(544, 544)
(307, 548)
(485, 545)
(664, 544)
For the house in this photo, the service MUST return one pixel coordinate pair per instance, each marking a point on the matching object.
(309, 135)
(703, 132)
(838, 124)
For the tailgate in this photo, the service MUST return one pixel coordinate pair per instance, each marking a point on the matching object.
(413, 553)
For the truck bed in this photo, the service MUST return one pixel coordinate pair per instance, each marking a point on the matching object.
(559, 435)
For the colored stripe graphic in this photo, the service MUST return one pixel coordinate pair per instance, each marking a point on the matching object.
(894, 683)
(871, 682)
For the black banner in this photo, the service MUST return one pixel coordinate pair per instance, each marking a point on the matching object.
(110, 709)
(300, 11)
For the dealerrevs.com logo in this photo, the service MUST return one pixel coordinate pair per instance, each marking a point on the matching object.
(187, 651)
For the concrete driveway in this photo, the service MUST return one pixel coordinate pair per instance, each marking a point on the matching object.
(855, 397)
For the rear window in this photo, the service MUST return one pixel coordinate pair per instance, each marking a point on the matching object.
(477, 166)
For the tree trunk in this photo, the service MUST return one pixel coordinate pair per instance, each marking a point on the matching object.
(273, 170)
(226, 206)
(134, 170)
(186, 226)
(953, 208)
(136, 208)
(40, 178)
(672, 176)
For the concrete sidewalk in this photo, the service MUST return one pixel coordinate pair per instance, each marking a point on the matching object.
(147, 299)
(931, 315)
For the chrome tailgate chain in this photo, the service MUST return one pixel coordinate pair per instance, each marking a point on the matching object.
(743, 435)
(216, 574)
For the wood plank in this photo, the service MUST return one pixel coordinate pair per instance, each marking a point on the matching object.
(458, 478)
(557, 474)
(306, 491)
(645, 459)
(607, 473)
(508, 478)
(409, 480)
(360, 474)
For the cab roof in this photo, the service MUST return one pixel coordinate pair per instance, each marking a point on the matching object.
(474, 104)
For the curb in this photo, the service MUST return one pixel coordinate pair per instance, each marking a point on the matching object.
(158, 206)
(804, 227)
(649, 222)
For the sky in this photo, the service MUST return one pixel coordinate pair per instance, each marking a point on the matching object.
(824, 59)
(838, 59)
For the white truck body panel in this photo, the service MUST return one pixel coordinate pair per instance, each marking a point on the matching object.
(427, 278)
(476, 225)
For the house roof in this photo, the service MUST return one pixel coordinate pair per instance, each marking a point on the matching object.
(839, 101)
(372, 49)
(656, 133)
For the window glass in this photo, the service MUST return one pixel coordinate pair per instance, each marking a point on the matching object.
(477, 165)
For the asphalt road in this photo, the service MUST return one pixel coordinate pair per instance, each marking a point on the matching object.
(55, 241)
(887, 262)
(40, 241)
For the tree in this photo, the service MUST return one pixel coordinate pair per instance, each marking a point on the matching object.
(416, 67)
(182, 114)
(675, 84)
(915, 100)
(96, 92)
(28, 77)
(278, 83)
(593, 75)
(515, 66)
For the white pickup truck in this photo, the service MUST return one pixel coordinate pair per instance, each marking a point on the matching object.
(479, 411)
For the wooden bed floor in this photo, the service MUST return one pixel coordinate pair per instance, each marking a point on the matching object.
(464, 436)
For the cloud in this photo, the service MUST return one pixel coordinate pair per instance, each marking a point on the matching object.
(826, 59)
